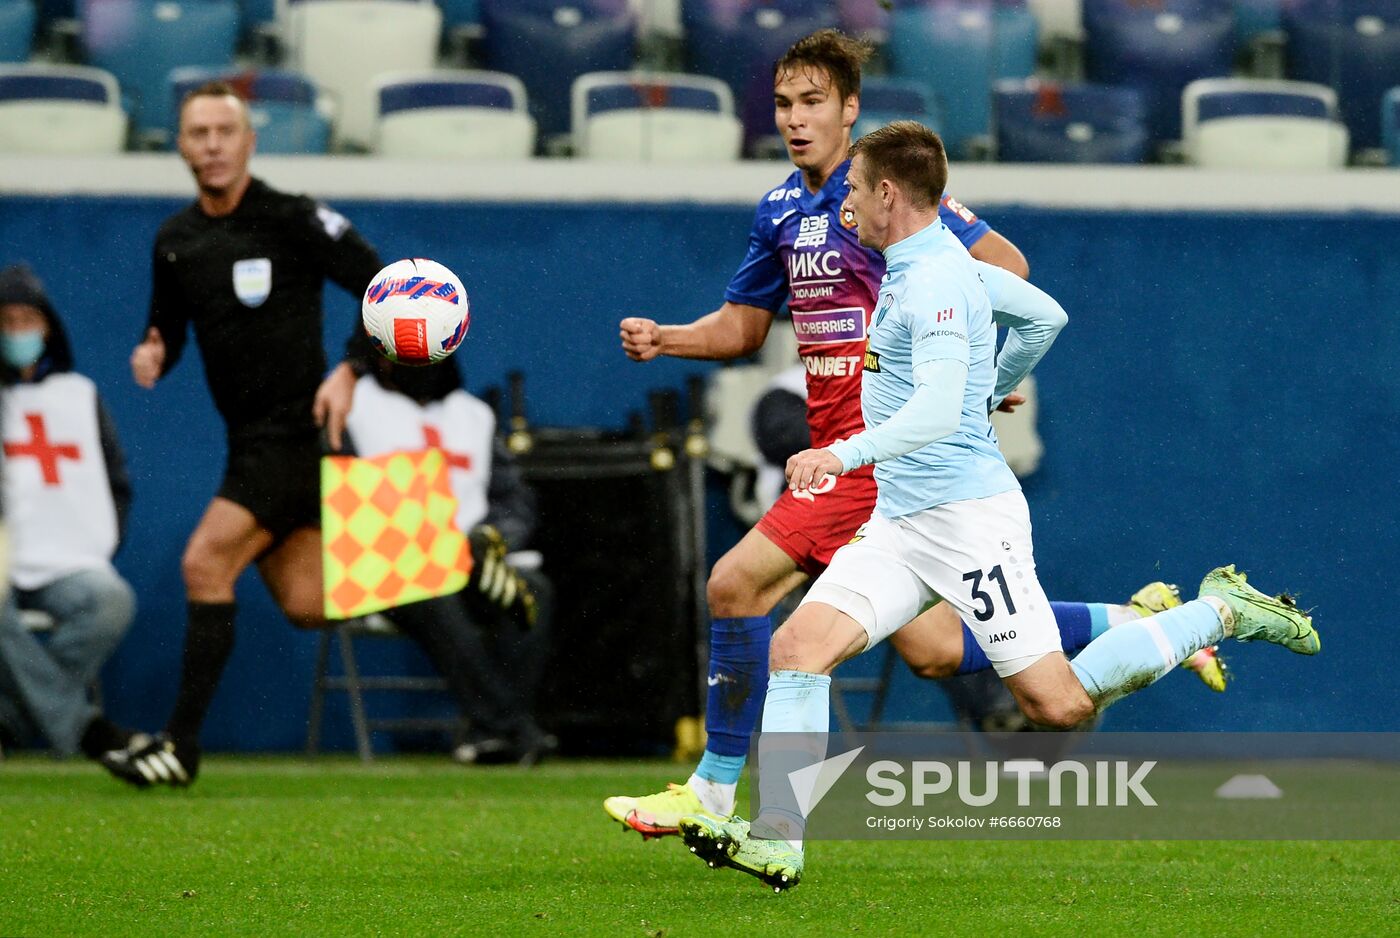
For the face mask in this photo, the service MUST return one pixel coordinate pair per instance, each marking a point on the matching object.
(22, 349)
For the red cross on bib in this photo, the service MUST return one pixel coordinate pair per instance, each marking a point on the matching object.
(41, 449)
(433, 438)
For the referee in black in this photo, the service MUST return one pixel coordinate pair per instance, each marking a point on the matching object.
(245, 264)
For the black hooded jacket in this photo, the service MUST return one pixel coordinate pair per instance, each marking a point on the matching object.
(19, 285)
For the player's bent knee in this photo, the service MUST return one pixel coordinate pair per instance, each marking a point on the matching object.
(932, 668)
(204, 572)
(1060, 713)
(730, 590)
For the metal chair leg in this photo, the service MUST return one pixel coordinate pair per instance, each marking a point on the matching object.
(352, 690)
(318, 694)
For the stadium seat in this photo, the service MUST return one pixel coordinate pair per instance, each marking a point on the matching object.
(885, 100)
(1257, 124)
(1058, 18)
(60, 109)
(957, 50)
(1390, 124)
(453, 115)
(739, 40)
(655, 117)
(16, 30)
(344, 45)
(869, 18)
(142, 41)
(459, 13)
(1254, 18)
(550, 43)
(1353, 46)
(287, 112)
(1158, 47)
(1043, 122)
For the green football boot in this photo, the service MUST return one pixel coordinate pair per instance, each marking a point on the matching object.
(1275, 619)
(657, 815)
(729, 843)
(1207, 663)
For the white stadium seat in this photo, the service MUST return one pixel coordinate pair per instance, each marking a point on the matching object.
(344, 45)
(654, 117)
(52, 109)
(453, 115)
(1239, 123)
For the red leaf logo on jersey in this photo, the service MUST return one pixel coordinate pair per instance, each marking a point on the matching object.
(945, 314)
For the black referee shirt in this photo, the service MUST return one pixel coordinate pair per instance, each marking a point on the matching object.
(250, 282)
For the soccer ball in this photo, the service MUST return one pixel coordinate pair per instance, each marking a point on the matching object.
(415, 312)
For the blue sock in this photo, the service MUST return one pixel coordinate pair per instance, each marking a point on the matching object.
(974, 658)
(1077, 622)
(1135, 654)
(738, 679)
(796, 719)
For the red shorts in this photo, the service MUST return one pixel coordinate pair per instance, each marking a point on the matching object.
(810, 526)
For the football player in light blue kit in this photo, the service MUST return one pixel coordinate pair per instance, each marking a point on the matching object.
(950, 522)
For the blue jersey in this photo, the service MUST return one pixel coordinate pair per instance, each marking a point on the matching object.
(802, 252)
(933, 306)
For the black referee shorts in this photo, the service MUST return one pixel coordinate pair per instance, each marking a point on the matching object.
(277, 478)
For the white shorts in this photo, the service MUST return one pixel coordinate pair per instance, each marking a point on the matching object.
(974, 554)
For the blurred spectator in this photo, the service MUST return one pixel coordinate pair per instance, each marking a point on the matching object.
(490, 640)
(67, 495)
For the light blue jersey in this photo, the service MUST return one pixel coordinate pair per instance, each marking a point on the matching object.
(933, 307)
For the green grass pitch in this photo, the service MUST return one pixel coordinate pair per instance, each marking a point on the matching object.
(281, 846)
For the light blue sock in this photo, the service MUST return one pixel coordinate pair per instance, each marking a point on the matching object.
(1098, 619)
(722, 769)
(798, 702)
(1132, 655)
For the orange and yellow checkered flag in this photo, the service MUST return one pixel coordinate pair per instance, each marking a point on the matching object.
(389, 533)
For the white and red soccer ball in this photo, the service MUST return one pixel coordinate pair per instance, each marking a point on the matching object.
(415, 312)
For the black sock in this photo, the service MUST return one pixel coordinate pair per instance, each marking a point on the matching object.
(102, 735)
(208, 643)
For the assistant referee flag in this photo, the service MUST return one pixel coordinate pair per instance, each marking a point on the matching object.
(388, 533)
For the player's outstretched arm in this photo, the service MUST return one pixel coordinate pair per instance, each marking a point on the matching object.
(732, 331)
(1034, 320)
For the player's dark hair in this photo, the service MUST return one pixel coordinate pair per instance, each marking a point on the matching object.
(908, 154)
(833, 52)
(214, 89)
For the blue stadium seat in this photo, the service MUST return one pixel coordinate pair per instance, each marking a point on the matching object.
(459, 13)
(738, 41)
(283, 105)
(254, 12)
(1352, 45)
(143, 41)
(1244, 123)
(453, 115)
(549, 43)
(16, 30)
(1158, 47)
(1044, 122)
(957, 49)
(1390, 124)
(655, 117)
(1254, 18)
(885, 100)
(60, 109)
